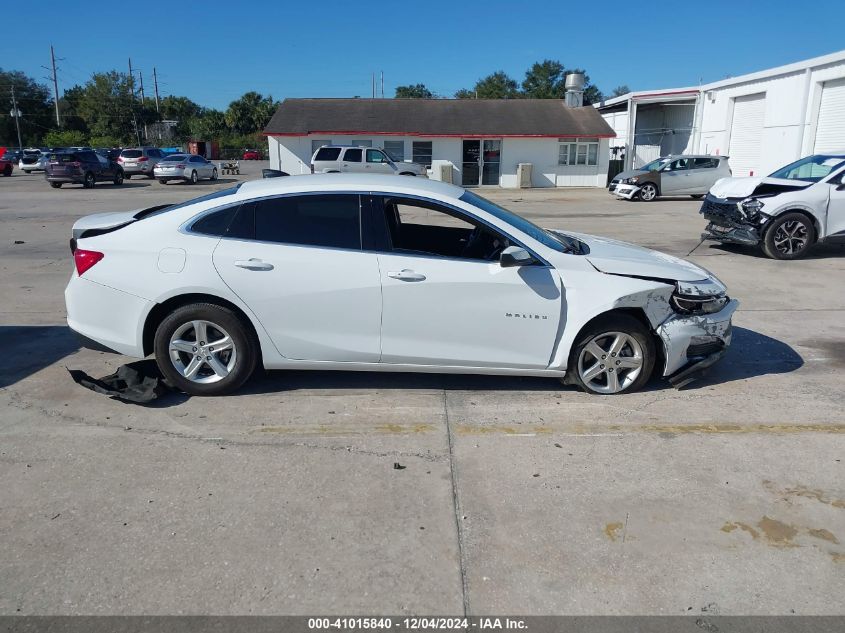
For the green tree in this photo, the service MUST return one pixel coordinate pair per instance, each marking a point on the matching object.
(416, 91)
(250, 113)
(65, 138)
(544, 80)
(35, 104)
(69, 110)
(107, 107)
(618, 91)
(494, 86)
(211, 124)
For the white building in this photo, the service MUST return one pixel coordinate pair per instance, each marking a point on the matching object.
(763, 120)
(480, 141)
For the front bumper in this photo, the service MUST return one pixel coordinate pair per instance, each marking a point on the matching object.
(626, 191)
(724, 229)
(693, 343)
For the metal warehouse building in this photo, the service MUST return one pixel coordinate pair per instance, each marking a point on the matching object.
(763, 120)
(471, 142)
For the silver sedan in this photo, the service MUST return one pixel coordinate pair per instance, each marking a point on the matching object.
(184, 167)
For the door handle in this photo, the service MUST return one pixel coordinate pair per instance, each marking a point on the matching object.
(406, 275)
(253, 264)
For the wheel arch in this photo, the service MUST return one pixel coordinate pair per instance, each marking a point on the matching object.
(160, 311)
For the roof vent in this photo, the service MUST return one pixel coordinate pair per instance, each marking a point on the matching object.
(575, 90)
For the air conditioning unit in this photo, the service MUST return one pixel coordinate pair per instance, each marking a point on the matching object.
(444, 171)
(523, 175)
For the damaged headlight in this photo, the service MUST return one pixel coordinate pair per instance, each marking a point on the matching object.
(751, 208)
(692, 305)
(632, 181)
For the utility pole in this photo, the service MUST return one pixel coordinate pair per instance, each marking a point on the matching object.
(132, 101)
(141, 75)
(17, 114)
(374, 85)
(55, 86)
(155, 83)
(382, 84)
(131, 80)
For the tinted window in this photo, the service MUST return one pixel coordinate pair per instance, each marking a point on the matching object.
(705, 163)
(131, 153)
(678, 165)
(215, 223)
(352, 156)
(375, 156)
(327, 153)
(176, 158)
(321, 220)
(197, 159)
(63, 158)
(90, 157)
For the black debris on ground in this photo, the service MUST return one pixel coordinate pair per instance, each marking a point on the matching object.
(138, 382)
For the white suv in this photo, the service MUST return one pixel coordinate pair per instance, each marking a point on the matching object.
(333, 159)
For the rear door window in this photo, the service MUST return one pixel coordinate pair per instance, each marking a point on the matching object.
(330, 220)
(705, 163)
(352, 156)
(327, 153)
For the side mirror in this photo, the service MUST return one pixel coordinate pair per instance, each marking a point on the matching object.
(515, 256)
(273, 173)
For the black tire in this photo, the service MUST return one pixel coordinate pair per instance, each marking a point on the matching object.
(90, 180)
(790, 236)
(245, 349)
(118, 178)
(56, 185)
(648, 192)
(7, 171)
(163, 181)
(151, 174)
(194, 177)
(406, 173)
(214, 174)
(127, 176)
(697, 196)
(604, 329)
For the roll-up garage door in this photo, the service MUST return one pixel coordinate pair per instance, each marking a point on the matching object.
(830, 129)
(747, 134)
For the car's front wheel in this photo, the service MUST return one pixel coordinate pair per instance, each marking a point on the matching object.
(163, 181)
(194, 178)
(614, 354)
(205, 349)
(56, 185)
(214, 174)
(648, 192)
(118, 178)
(89, 181)
(790, 236)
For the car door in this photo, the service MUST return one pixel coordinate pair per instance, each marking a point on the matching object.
(297, 262)
(836, 206)
(446, 299)
(674, 178)
(703, 174)
(377, 162)
(352, 160)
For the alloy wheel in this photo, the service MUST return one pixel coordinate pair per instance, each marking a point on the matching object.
(648, 192)
(791, 237)
(610, 362)
(202, 351)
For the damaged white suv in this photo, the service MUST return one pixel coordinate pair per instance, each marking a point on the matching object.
(377, 273)
(786, 213)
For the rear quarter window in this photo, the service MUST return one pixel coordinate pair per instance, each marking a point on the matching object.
(327, 153)
(215, 223)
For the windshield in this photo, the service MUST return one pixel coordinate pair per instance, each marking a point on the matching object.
(654, 165)
(810, 169)
(555, 241)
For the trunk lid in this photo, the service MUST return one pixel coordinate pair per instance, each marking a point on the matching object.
(100, 223)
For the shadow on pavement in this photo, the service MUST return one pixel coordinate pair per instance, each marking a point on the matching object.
(30, 348)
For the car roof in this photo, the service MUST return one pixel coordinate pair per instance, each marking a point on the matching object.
(350, 182)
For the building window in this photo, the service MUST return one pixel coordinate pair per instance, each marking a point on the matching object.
(317, 143)
(422, 152)
(395, 149)
(361, 143)
(580, 151)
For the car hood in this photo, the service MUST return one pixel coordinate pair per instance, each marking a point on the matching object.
(620, 258)
(744, 187)
(622, 175)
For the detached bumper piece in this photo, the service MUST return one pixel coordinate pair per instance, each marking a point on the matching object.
(721, 229)
(693, 371)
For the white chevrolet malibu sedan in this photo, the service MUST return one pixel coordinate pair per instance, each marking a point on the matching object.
(378, 273)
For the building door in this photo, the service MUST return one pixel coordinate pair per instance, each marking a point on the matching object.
(830, 129)
(481, 160)
(747, 135)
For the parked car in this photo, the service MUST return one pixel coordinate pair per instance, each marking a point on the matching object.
(188, 167)
(12, 155)
(361, 272)
(33, 159)
(111, 154)
(785, 213)
(139, 161)
(251, 154)
(330, 159)
(671, 176)
(81, 167)
(6, 165)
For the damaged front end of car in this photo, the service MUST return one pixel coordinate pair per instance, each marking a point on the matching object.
(734, 220)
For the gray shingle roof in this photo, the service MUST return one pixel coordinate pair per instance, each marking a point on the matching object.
(436, 117)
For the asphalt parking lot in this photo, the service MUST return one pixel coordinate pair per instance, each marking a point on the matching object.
(516, 496)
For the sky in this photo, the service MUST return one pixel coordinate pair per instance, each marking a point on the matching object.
(213, 52)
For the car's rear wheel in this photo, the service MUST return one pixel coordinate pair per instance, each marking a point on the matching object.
(205, 349)
(194, 177)
(790, 236)
(214, 174)
(128, 176)
(89, 181)
(118, 178)
(7, 170)
(163, 181)
(151, 175)
(648, 192)
(56, 185)
(614, 354)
